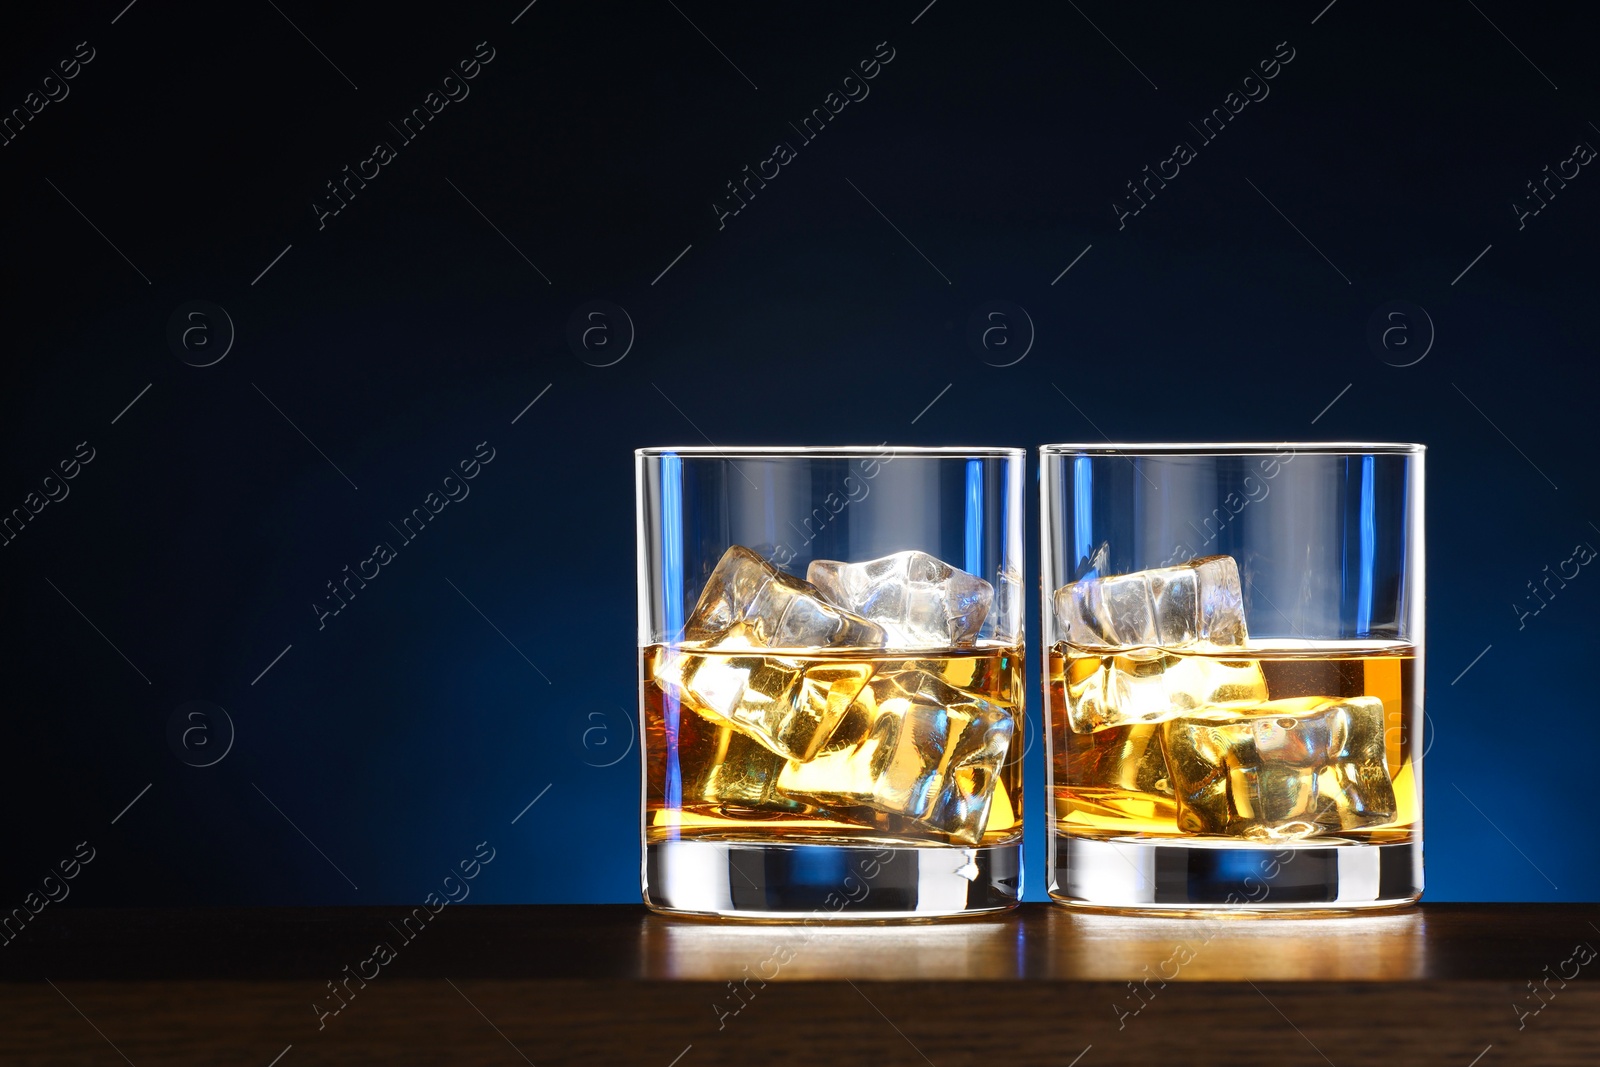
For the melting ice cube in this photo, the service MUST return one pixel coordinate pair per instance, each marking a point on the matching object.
(749, 603)
(1197, 605)
(1288, 769)
(1121, 761)
(722, 766)
(921, 601)
(789, 703)
(1147, 635)
(914, 747)
(1151, 686)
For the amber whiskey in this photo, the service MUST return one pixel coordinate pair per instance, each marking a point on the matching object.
(841, 747)
(1277, 740)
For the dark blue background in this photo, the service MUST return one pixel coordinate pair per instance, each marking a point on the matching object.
(493, 662)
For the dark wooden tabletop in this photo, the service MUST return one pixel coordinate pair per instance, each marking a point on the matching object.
(1468, 985)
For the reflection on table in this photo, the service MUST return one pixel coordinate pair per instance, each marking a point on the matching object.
(1052, 943)
(689, 949)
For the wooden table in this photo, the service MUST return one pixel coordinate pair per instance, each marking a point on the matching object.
(1457, 984)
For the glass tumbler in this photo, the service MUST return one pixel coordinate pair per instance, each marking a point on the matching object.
(1234, 685)
(831, 680)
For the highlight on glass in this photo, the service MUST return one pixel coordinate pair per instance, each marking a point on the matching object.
(831, 680)
(1234, 680)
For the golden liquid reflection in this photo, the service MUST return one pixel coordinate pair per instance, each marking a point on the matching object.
(1054, 943)
(712, 951)
(1213, 948)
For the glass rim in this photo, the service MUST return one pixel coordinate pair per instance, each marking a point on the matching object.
(833, 451)
(1237, 448)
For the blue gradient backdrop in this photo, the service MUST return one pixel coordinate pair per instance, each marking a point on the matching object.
(492, 661)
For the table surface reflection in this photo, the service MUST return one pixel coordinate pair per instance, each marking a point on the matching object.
(1035, 942)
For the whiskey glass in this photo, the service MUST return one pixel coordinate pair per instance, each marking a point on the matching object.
(831, 681)
(1233, 689)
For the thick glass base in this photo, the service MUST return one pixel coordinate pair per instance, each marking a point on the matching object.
(1140, 874)
(829, 882)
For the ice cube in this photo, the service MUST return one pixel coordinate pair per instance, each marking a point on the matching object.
(1120, 760)
(724, 767)
(749, 603)
(1136, 628)
(922, 601)
(912, 746)
(1196, 605)
(788, 704)
(1289, 769)
(1006, 615)
(736, 670)
(1146, 685)
(1115, 778)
